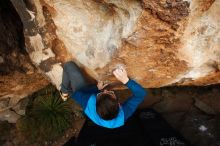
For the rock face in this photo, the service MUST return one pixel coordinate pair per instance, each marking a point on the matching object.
(160, 42)
(18, 76)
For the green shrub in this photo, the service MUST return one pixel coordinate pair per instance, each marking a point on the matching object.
(46, 118)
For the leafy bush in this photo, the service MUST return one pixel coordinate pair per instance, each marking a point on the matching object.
(47, 117)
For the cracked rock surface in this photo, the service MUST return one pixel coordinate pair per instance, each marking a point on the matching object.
(159, 42)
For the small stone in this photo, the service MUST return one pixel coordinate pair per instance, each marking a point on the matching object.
(203, 128)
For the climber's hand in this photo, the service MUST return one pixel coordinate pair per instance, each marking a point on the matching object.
(121, 74)
(101, 85)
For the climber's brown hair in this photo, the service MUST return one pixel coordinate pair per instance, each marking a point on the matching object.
(107, 106)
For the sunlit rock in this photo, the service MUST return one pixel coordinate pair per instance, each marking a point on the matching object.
(160, 43)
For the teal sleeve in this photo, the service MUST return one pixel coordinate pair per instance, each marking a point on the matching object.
(82, 96)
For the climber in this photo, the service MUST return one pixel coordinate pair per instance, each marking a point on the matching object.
(101, 105)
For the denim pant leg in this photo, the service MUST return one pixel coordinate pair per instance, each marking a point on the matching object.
(72, 79)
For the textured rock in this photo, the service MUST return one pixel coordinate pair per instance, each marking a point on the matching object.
(160, 42)
(204, 107)
(208, 102)
(20, 107)
(18, 76)
(9, 116)
(200, 129)
(184, 98)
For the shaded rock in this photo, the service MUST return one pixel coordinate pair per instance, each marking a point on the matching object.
(17, 86)
(174, 105)
(174, 100)
(210, 100)
(20, 107)
(8, 143)
(18, 76)
(4, 103)
(153, 97)
(184, 98)
(9, 116)
(5, 129)
(1, 60)
(204, 107)
(200, 129)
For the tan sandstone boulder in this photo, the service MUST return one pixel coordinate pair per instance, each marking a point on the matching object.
(159, 42)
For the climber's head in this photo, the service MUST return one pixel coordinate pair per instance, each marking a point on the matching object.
(107, 105)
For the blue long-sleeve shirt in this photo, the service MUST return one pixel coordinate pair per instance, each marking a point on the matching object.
(129, 106)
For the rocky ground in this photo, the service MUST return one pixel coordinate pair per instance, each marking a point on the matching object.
(193, 111)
